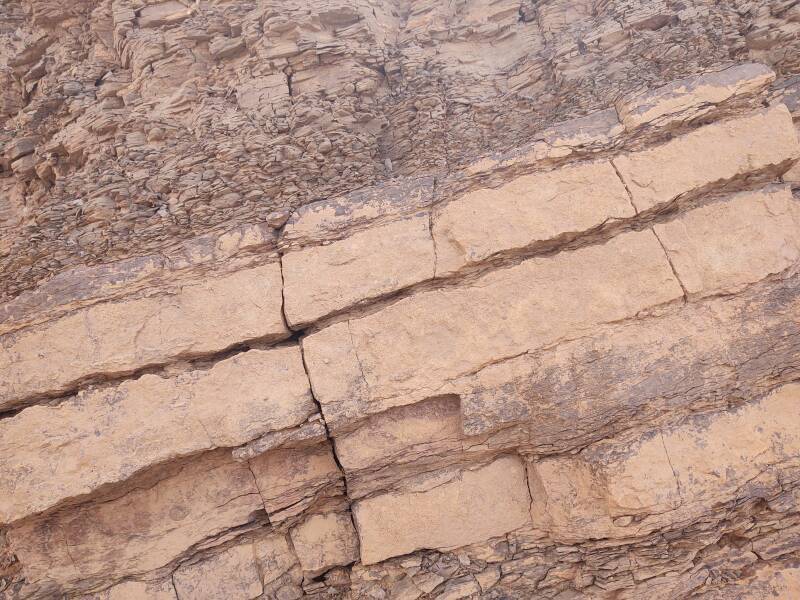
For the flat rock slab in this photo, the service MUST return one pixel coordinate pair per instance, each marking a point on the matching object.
(140, 531)
(714, 153)
(320, 280)
(479, 504)
(409, 350)
(529, 209)
(725, 245)
(692, 96)
(52, 453)
(120, 337)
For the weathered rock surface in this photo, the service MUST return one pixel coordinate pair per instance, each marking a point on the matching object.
(399, 300)
(530, 209)
(120, 337)
(455, 513)
(714, 153)
(669, 475)
(108, 435)
(412, 348)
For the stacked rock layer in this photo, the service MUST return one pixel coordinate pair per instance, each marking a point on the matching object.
(566, 370)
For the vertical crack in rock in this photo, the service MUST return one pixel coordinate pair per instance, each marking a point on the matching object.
(672, 266)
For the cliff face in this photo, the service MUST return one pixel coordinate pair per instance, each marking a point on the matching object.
(399, 300)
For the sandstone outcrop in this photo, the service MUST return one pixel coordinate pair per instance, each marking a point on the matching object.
(399, 300)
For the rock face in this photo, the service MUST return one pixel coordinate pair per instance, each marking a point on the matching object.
(399, 300)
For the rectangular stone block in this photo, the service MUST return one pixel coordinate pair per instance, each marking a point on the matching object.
(715, 153)
(142, 530)
(321, 280)
(668, 476)
(529, 209)
(410, 349)
(397, 444)
(480, 504)
(232, 573)
(120, 337)
(51, 453)
(725, 245)
(693, 96)
(291, 479)
(325, 541)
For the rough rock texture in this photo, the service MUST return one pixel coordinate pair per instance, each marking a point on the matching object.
(399, 300)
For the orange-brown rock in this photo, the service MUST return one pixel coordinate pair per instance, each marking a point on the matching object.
(106, 436)
(120, 337)
(399, 300)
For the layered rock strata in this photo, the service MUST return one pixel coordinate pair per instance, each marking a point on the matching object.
(568, 369)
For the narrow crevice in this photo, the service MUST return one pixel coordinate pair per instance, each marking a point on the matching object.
(324, 423)
(258, 488)
(433, 243)
(625, 185)
(672, 468)
(671, 266)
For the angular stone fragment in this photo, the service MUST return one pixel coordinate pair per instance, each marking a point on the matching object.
(391, 448)
(274, 556)
(107, 435)
(163, 13)
(529, 209)
(233, 573)
(120, 337)
(692, 97)
(140, 531)
(480, 504)
(724, 245)
(390, 436)
(666, 476)
(290, 479)
(409, 350)
(325, 541)
(320, 280)
(719, 152)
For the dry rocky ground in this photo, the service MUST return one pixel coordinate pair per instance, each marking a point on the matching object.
(399, 299)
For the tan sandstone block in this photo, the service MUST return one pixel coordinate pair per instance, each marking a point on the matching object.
(717, 152)
(409, 350)
(119, 337)
(325, 541)
(665, 476)
(140, 531)
(724, 245)
(274, 556)
(324, 279)
(389, 447)
(233, 573)
(392, 435)
(529, 209)
(290, 479)
(693, 96)
(480, 504)
(51, 453)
